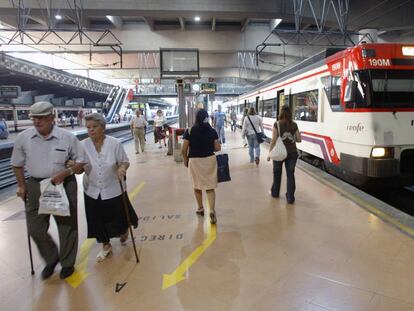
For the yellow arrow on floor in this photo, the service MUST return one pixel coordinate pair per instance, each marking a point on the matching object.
(81, 272)
(180, 273)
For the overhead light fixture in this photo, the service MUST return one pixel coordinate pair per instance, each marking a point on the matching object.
(197, 18)
(57, 16)
(274, 23)
(1, 26)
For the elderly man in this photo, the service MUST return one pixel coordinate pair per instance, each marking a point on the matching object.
(44, 150)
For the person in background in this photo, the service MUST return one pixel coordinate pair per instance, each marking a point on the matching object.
(138, 124)
(219, 123)
(199, 144)
(106, 168)
(233, 118)
(289, 132)
(43, 150)
(80, 117)
(251, 123)
(72, 121)
(159, 133)
(246, 111)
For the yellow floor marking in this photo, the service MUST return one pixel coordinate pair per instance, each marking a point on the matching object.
(365, 205)
(179, 274)
(81, 272)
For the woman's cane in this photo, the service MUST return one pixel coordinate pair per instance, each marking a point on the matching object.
(28, 239)
(124, 199)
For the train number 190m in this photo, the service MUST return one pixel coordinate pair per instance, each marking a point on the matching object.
(379, 62)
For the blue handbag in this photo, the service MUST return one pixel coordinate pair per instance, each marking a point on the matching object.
(223, 170)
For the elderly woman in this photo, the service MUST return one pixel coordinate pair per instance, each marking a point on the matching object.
(159, 122)
(199, 144)
(107, 166)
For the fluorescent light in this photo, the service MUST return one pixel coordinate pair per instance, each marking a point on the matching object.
(274, 23)
(197, 18)
(408, 50)
(57, 16)
(1, 26)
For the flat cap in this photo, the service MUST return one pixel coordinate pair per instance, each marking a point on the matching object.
(41, 109)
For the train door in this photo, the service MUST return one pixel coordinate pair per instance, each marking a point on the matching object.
(280, 102)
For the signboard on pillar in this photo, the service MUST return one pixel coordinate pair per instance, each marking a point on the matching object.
(179, 63)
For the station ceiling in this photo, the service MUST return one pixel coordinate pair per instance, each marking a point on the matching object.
(227, 33)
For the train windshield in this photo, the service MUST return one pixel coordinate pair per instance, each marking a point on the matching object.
(388, 88)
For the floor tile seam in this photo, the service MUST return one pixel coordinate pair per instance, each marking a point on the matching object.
(395, 298)
(320, 306)
(347, 285)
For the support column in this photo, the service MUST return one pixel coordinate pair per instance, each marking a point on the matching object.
(182, 120)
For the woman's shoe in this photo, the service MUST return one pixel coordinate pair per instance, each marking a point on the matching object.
(257, 160)
(213, 218)
(104, 253)
(124, 237)
(200, 211)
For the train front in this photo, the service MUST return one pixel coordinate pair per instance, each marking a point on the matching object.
(379, 88)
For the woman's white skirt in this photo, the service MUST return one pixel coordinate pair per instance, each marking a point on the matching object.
(203, 172)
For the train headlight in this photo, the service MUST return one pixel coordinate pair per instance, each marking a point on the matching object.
(382, 152)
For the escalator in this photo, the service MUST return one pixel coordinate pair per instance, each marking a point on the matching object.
(116, 105)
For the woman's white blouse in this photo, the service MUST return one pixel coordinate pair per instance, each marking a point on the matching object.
(159, 121)
(101, 171)
(247, 126)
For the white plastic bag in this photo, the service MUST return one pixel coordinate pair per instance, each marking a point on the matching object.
(53, 199)
(279, 152)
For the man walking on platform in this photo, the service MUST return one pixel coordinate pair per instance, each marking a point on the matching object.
(44, 150)
(233, 118)
(138, 125)
(219, 123)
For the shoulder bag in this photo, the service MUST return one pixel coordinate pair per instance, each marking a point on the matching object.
(279, 152)
(260, 136)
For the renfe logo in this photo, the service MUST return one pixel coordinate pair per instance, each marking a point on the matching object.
(355, 128)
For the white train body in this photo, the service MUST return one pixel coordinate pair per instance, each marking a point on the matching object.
(354, 108)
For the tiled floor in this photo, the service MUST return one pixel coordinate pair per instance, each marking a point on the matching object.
(323, 253)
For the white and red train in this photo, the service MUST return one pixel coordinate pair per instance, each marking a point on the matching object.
(354, 108)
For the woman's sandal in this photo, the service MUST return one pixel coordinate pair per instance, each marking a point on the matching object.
(200, 211)
(103, 254)
(213, 218)
(124, 237)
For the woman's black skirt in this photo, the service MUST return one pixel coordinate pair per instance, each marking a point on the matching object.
(106, 218)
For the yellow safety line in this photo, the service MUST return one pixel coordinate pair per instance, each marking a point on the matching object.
(81, 272)
(180, 273)
(364, 204)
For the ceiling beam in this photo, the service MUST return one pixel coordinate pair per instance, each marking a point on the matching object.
(150, 22)
(213, 24)
(182, 23)
(244, 24)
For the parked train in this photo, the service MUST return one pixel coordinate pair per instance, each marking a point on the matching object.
(17, 116)
(354, 108)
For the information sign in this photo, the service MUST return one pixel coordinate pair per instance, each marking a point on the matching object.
(10, 91)
(208, 88)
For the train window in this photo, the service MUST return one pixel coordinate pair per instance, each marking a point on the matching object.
(6, 115)
(332, 88)
(269, 108)
(305, 106)
(23, 115)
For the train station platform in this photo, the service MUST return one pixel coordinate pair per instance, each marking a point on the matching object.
(325, 252)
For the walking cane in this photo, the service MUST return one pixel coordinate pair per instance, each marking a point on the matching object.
(28, 239)
(124, 199)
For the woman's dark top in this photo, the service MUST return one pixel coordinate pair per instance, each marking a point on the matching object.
(201, 140)
(287, 133)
